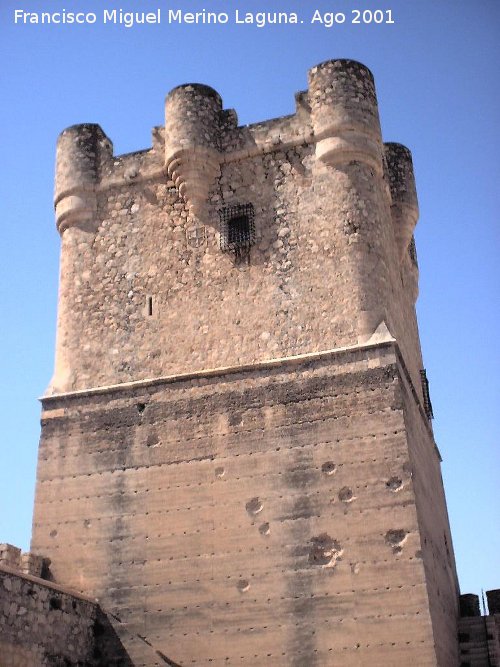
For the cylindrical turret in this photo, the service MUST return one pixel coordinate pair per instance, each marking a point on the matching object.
(469, 605)
(493, 601)
(345, 121)
(344, 113)
(192, 141)
(80, 150)
(403, 193)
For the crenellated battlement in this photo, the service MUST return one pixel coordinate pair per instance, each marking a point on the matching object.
(332, 212)
(338, 114)
(23, 562)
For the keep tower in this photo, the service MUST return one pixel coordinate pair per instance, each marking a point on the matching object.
(236, 455)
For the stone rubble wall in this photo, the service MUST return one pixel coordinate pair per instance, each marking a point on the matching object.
(42, 625)
(145, 290)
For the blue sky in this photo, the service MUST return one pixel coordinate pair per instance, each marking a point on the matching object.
(436, 70)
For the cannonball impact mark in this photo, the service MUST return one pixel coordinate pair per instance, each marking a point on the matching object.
(394, 484)
(328, 467)
(396, 538)
(243, 585)
(254, 506)
(153, 440)
(346, 495)
(220, 472)
(324, 550)
(264, 529)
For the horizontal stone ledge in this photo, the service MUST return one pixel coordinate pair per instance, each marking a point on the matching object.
(267, 364)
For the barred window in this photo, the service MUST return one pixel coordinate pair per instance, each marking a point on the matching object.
(412, 251)
(237, 229)
(426, 394)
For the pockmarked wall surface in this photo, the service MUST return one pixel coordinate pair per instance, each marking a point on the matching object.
(237, 457)
(264, 515)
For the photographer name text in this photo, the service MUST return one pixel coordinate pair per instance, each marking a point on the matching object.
(239, 17)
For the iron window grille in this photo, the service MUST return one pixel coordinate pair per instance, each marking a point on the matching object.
(237, 229)
(412, 251)
(426, 394)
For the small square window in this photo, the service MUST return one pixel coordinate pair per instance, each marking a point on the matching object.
(237, 229)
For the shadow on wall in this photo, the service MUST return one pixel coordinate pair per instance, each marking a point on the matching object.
(115, 645)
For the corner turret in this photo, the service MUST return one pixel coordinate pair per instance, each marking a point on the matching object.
(404, 206)
(81, 149)
(345, 113)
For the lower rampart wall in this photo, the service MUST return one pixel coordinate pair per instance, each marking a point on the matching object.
(43, 625)
(479, 638)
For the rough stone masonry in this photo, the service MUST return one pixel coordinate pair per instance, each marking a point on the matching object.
(236, 455)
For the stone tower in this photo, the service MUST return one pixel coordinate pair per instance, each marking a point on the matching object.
(236, 455)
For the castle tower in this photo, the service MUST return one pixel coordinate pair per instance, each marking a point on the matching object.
(236, 455)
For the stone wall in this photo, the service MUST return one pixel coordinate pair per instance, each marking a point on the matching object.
(479, 636)
(264, 515)
(236, 457)
(436, 543)
(479, 639)
(146, 290)
(44, 625)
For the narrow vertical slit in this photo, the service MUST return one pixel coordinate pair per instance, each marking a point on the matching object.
(150, 306)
